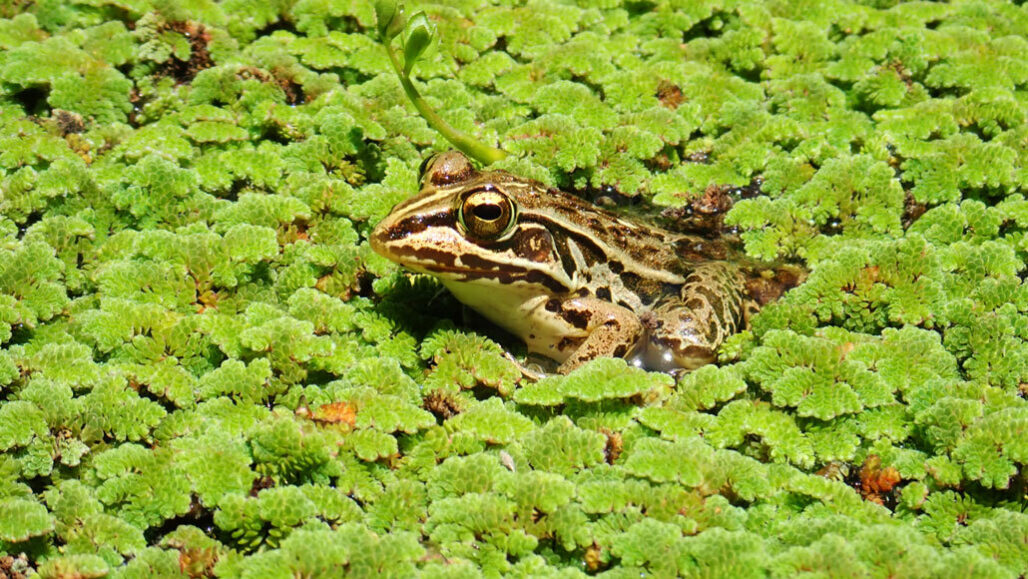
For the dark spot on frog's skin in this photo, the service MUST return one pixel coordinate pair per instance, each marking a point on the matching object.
(535, 245)
(648, 291)
(577, 318)
(712, 297)
(566, 343)
(630, 280)
(545, 280)
(476, 267)
(585, 243)
(620, 351)
(616, 267)
(717, 304)
(603, 293)
(419, 223)
(553, 305)
(712, 326)
(441, 258)
(660, 342)
(647, 300)
(583, 292)
(621, 234)
(472, 261)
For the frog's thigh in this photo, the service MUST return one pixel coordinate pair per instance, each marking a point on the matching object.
(685, 331)
(611, 330)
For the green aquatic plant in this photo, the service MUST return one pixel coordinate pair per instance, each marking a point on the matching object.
(417, 34)
(205, 369)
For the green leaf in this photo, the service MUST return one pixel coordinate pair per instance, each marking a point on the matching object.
(418, 34)
(114, 409)
(8, 370)
(466, 361)
(390, 18)
(216, 132)
(777, 432)
(105, 535)
(34, 63)
(216, 464)
(21, 28)
(85, 566)
(349, 549)
(662, 461)
(102, 95)
(371, 445)
(562, 447)
(22, 519)
(491, 422)
(707, 386)
(140, 485)
(234, 378)
(602, 379)
(20, 423)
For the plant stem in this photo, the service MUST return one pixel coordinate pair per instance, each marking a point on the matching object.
(467, 144)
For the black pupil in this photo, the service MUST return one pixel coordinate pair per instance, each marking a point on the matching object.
(487, 212)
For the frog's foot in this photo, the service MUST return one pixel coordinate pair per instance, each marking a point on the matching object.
(529, 370)
(611, 330)
(685, 331)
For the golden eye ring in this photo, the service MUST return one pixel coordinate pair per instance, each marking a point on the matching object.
(487, 214)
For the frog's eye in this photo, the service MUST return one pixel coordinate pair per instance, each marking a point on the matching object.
(487, 214)
(445, 168)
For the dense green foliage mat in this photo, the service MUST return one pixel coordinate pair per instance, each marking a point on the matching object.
(204, 370)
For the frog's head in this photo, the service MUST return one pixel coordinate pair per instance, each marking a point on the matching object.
(471, 226)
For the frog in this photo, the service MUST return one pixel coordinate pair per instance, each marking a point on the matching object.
(573, 280)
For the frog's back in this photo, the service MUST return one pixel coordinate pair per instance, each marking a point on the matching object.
(587, 235)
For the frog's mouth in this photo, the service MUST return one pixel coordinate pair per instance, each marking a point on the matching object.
(444, 254)
(433, 252)
(418, 242)
(455, 265)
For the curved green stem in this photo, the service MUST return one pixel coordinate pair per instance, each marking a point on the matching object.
(468, 145)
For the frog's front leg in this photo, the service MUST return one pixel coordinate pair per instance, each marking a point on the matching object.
(610, 330)
(686, 330)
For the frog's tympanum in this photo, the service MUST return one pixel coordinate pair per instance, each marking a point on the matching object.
(572, 280)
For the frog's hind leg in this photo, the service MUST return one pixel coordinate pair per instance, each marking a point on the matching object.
(686, 330)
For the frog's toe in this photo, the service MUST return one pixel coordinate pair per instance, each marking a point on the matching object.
(688, 350)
